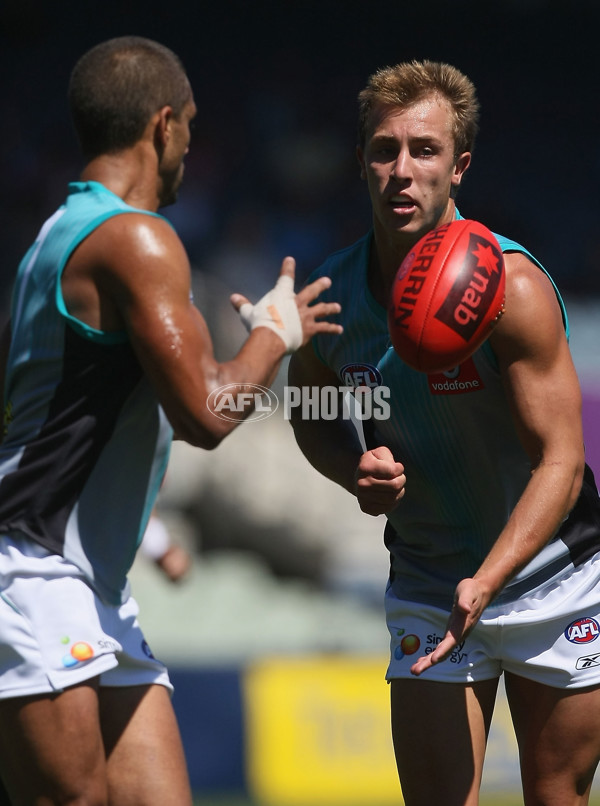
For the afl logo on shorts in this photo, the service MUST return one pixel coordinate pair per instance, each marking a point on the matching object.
(582, 631)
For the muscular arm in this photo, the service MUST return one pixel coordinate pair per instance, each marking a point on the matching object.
(333, 447)
(543, 392)
(133, 273)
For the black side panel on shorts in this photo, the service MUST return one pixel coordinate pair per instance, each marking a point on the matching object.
(581, 531)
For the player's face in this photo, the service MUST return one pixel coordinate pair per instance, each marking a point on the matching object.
(177, 146)
(411, 169)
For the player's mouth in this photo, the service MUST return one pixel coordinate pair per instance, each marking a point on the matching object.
(403, 204)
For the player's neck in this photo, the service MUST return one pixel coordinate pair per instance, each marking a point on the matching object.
(127, 175)
(380, 275)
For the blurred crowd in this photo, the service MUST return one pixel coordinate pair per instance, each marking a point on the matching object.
(272, 169)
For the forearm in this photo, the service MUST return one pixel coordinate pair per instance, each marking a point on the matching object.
(216, 397)
(548, 498)
(258, 361)
(332, 447)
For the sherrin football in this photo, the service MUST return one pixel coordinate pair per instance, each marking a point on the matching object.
(447, 296)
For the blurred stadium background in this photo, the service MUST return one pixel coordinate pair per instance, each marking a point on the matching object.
(276, 639)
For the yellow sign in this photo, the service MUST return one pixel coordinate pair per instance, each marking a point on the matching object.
(318, 732)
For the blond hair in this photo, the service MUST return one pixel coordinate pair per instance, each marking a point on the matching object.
(409, 82)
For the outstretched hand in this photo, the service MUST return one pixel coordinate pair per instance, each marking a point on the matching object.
(379, 481)
(291, 316)
(469, 603)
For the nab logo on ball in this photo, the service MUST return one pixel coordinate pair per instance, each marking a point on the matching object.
(582, 631)
(474, 288)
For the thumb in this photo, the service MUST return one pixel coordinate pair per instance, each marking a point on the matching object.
(237, 300)
(288, 268)
(383, 453)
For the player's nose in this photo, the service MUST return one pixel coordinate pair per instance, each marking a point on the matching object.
(402, 166)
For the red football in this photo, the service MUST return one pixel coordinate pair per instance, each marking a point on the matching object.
(447, 296)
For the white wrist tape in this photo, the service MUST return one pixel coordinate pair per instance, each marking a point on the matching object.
(278, 311)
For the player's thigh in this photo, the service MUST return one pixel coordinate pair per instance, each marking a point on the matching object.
(145, 757)
(51, 747)
(440, 732)
(558, 733)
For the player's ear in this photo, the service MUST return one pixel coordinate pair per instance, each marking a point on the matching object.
(460, 166)
(361, 161)
(162, 126)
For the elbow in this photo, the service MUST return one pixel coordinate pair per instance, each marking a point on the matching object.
(207, 436)
(208, 442)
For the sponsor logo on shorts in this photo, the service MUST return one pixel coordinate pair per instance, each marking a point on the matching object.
(409, 644)
(110, 646)
(80, 651)
(457, 381)
(457, 656)
(587, 661)
(582, 631)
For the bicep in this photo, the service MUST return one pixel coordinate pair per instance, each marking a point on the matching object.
(536, 366)
(149, 283)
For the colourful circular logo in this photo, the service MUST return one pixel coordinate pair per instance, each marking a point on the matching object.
(408, 646)
(79, 652)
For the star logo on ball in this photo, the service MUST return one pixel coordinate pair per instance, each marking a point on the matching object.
(487, 259)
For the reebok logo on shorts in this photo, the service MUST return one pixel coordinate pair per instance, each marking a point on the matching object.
(587, 661)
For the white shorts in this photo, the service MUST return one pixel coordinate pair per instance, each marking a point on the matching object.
(56, 632)
(551, 636)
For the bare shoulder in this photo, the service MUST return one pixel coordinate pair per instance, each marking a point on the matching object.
(126, 241)
(128, 258)
(533, 317)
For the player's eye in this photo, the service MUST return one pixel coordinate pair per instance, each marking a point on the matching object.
(383, 153)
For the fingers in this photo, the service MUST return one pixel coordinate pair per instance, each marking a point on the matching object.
(380, 482)
(465, 613)
(313, 318)
(312, 290)
(442, 651)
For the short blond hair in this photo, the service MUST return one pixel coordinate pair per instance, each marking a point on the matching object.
(409, 82)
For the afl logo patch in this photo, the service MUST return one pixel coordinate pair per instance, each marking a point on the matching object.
(360, 375)
(582, 631)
